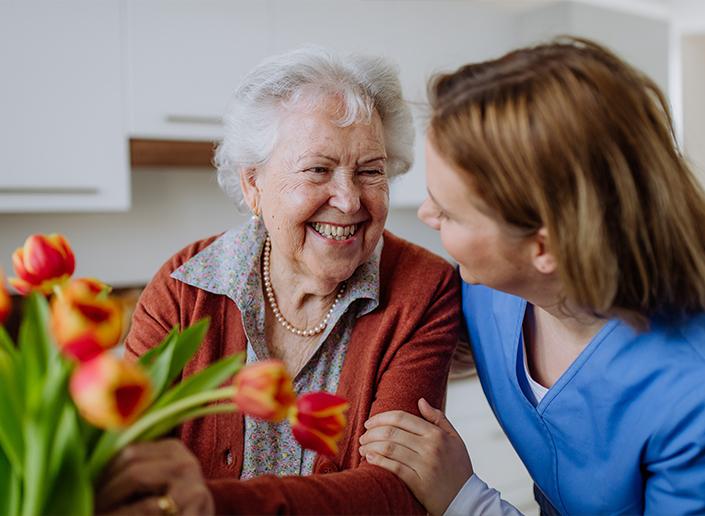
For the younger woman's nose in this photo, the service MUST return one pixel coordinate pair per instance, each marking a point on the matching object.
(427, 215)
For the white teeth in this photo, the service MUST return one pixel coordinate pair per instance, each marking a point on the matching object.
(335, 232)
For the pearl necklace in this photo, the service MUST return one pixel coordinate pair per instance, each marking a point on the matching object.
(275, 308)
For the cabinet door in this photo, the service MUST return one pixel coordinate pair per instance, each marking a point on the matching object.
(186, 59)
(62, 139)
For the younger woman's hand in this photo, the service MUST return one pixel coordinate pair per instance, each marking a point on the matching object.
(161, 477)
(427, 454)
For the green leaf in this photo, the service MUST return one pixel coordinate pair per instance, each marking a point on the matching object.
(166, 362)
(11, 414)
(103, 452)
(189, 342)
(70, 488)
(9, 487)
(165, 426)
(147, 360)
(157, 362)
(6, 342)
(209, 378)
(89, 435)
(39, 431)
(36, 346)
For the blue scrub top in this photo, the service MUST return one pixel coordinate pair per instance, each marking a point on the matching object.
(621, 431)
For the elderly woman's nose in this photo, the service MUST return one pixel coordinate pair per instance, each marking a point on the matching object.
(346, 196)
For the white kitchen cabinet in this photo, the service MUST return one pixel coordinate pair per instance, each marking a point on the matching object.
(62, 140)
(186, 59)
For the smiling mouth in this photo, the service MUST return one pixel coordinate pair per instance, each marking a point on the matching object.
(334, 232)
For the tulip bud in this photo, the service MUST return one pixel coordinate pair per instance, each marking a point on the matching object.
(318, 421)
(43, 261)
(264, 390)
(109, 392)
(5, 302)
(84, 320)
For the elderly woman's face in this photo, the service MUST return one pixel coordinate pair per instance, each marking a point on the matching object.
(324, 193)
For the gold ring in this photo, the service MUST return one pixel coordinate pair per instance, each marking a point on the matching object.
(167, 505)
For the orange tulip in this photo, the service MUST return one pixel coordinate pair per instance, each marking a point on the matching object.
(5, 302)
(109, 392)
(264, 390)
(318, 421)
(43, 261)
(84, 320)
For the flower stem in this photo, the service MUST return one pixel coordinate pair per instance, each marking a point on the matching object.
(112, 443)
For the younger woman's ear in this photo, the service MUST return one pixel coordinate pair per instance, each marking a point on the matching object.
(544, 261)
(250, 191)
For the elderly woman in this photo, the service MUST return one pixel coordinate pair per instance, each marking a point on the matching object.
(313, 279)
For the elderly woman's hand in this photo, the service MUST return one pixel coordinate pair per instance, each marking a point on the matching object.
(427, 454)
(160, 477)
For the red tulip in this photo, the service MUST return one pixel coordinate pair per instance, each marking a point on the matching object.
(264, 390)
(109, 392)
(43, 261)
(318, 421)
(5, 302)
(84, 320)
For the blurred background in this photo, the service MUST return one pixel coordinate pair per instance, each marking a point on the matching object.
(109, 110)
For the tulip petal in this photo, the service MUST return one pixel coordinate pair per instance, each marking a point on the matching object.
(94, 313)
(109, 392)
(264, 390)
(127, 398)
(318, 421)
(83, 348)
(22, 287)
(84, 321)
(5, 301)
(61, 244)
(322, 404)
(316, 441)
(42, 259)
(20, 269)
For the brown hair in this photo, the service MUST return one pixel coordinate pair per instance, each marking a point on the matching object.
(568, 136)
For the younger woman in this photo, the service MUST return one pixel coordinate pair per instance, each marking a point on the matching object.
(556, 184)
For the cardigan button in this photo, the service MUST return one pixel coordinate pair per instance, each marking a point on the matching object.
(228, 457)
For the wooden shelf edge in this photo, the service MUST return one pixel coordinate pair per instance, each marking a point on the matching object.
(171, 153)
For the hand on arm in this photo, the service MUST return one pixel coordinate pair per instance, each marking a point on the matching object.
(144, 472)
(427, 454)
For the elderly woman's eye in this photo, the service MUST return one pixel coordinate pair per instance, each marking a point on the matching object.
(317, 170)
(372, 171)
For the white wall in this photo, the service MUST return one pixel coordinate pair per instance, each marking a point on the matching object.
(643, 40)
(693, 55)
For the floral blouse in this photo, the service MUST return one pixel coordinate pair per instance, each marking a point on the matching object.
(230, 266)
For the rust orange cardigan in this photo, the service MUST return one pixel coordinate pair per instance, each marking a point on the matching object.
(397, 353)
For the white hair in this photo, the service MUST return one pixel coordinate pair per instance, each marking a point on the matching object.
(364, 84)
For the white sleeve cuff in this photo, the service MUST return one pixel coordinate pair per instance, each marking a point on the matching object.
(477, 498)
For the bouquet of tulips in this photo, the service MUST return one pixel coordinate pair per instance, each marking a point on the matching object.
(69, 404)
